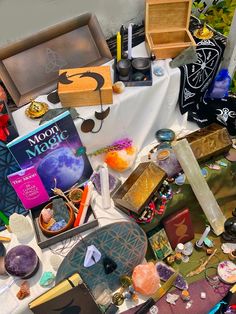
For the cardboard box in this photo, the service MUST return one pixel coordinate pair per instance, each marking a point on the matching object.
(138, 189)
(210, 141)
(166, 27)
(85, 86)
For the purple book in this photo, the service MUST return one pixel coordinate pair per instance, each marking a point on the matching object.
(29, 187)
(56, 151)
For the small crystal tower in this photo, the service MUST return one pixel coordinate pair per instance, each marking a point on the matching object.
(199, 185)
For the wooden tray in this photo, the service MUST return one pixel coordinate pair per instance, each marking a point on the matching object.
(131, 82)
(30, 67)
(44, 241)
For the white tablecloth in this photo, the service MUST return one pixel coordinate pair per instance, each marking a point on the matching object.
(137, 113)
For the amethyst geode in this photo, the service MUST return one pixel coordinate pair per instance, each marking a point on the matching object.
(165, 272)
(22, 261)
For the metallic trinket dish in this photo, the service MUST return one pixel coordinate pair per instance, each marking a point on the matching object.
(36, 109)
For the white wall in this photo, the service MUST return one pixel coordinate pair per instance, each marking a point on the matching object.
(20, 18)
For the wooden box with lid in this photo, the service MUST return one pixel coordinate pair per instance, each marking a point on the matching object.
(166, 27)
(87, 86)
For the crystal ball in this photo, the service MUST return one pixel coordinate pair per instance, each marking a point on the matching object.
(22, 261)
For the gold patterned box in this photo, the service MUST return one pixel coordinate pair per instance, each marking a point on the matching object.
(210, 141)
(139, 188)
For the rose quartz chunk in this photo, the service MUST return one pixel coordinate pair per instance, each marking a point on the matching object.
(146, 279)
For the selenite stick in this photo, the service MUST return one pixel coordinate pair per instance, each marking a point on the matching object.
(130, 41)
(199, 185)
(199, 243)
(118, 47)
(87, 203)
(105, 191)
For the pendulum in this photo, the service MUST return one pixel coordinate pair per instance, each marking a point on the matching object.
(118, 298)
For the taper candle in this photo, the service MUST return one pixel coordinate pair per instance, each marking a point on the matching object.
(122, 39)
(105, 191)
(199, 185)
(87, 203)
(130, 41)
(118, 47)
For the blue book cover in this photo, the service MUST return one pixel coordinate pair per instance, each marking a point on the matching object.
(54, 149)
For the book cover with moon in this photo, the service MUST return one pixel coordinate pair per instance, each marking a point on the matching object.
(56, 151)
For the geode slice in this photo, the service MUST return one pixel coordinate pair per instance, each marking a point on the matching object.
(165, 272)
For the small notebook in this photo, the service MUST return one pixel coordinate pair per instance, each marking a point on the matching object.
(69, 296)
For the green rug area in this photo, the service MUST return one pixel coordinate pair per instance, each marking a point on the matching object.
(223, 185)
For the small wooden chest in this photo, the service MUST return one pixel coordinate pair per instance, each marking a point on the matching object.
(166, 27)
(138, 189)
(85, 86)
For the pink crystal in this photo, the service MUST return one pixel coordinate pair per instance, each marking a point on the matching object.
(47, 214)
(146, 279)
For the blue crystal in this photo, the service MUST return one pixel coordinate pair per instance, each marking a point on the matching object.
(58, 225)
(165, 135)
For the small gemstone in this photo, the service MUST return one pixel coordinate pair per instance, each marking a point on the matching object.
(165, 135)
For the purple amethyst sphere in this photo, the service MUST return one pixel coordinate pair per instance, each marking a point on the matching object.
(22, 261)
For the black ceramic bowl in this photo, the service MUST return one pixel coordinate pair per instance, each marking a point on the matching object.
(123, 67)
(141, 64)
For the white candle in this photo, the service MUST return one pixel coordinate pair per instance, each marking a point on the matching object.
(105, 191)
(199, 185)
(204, 235)
(130, 41)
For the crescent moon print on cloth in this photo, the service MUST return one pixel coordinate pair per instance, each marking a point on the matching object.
(88, 124)
(196, 77)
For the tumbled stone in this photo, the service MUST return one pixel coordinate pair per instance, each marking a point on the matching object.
(165, 135)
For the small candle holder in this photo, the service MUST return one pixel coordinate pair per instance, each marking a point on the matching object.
(134, 72)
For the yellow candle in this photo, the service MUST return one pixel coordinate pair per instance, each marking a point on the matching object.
(118, 46)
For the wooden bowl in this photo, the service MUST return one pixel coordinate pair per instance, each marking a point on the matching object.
(75, 195)
(50, 233)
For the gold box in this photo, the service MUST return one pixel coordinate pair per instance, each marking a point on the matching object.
(166, 27)
(210, 141)
(85, 86)
(139, 188)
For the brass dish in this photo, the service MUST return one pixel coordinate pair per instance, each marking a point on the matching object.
(36, 109)
(203, 33)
